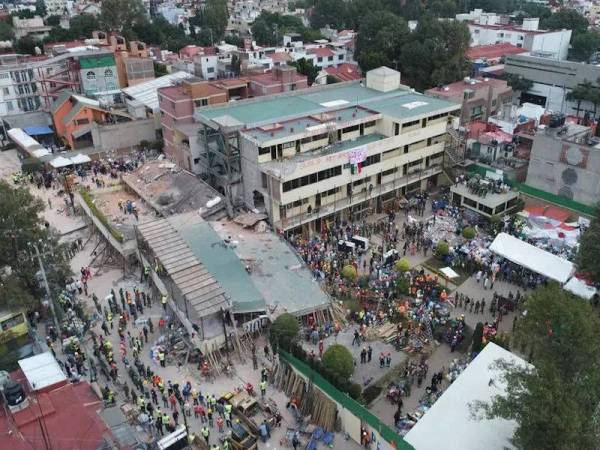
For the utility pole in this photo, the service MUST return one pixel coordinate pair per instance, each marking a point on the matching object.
(46, 286)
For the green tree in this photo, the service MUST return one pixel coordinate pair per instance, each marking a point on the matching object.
(21, 224)
(402, 265)
(555, 402)
(329, 12)
(477, 339)
(349, 272)
(53, 21)
(122, 15)
(435, 53)
(518, 83)
(566, 19)
(283, 331)
(468, 233)
(160, 69)
(6, 31)
(589, 249)
(236, 65)
(581, 92)
(442, 249)
(338, 360)
(380, 40)
(26, 45)
(40, 8)
(83, 25)
(306, 67)
(214, 17)
(24, 14)
(584, 45)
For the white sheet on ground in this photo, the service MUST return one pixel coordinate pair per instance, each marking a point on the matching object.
(532, 258)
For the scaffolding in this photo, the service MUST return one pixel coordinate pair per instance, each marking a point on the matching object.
(222, 157)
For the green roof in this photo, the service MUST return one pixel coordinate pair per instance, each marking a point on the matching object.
(221, 261)
(93, 62)
(316, 100)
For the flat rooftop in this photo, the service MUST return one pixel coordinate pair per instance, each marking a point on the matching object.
(491, 200)
(279, 274)
(399, 104)
(171, 190)
(316, 123)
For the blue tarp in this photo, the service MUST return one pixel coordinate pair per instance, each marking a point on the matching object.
(38, 130)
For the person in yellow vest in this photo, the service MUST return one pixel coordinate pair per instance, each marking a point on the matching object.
(206, 434)
(166, 420)
(263, 388)
(226, 445)
(141, 403)
(161, 358)
(163, 300)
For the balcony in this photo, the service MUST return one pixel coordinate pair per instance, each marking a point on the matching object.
(325, 210)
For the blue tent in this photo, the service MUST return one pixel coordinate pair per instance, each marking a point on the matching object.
(38, 130)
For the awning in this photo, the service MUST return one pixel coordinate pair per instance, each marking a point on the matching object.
(60, 161)
(580, 288)
(80, 159)
(532, 258)
(40, 152)
(37, 130)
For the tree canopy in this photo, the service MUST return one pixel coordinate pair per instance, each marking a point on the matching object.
(555, 403)
(588, 258)
(566, 18)
(21, 224)
(307, 68)
(122, 15)
(338, 360)
(283, 331)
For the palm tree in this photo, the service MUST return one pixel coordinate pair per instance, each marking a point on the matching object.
(580, 93)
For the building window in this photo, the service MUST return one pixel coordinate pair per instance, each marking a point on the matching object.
(196, 160)
(5, 91)
(469, 202)
(330, 58)
(210, 69)
(351, 129)
(340, 57)
(312, 178)
(82, 121)
(9, 105)
(108, 73)
(201, 102)
(410, 124)
(90, 75)
(319, 59)
(373, 159)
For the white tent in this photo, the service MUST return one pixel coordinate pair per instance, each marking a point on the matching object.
(449, 424)
(579, 288)
(532, 258)
(61, 161)
(80, 159)
(40, 152)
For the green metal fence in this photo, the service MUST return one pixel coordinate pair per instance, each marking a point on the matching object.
(348, 403)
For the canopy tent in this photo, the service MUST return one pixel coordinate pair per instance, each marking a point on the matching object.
(580, 288)
(449, 272)
(40, 152)
(38, 130)
(532, 258)
(449, 423)
(80, 159)
(60, 161)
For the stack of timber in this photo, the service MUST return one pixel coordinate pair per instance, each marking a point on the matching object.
(311, 402)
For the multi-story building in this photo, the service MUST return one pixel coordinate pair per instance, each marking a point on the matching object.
(553, 80)
(33, 27)
(565, 161)
(480, 97)
(33, 83)
(206, 66)
(98, 73)
(335, 151)
(177, 104)
(490, 28)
